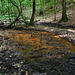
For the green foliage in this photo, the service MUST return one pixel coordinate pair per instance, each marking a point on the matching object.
(69, 1)
(7, 16)
(27, 6)
(8, 10)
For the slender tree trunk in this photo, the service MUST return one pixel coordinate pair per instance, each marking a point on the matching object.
(64, 15)
(9, 13)
(55, 10)
(17, 16)
(33, 14)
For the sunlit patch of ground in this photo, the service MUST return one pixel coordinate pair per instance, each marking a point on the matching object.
(39, 45)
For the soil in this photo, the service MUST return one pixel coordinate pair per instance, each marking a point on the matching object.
(15, 62)
(11, 60)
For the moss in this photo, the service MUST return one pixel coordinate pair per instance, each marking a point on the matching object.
(69, 1)
(65, 19)
(32, 23)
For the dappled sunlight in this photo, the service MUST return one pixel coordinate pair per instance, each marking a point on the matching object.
(70, 30)
(65, 35)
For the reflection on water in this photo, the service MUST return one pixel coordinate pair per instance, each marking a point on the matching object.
(36, 44)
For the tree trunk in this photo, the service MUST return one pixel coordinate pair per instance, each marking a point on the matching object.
(33, 14)
(64, 15)
(55, 9)
(17, 16)
(9, 13)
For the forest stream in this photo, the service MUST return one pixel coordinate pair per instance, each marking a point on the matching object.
(35, 52)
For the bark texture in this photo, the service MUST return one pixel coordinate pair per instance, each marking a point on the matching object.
(33, 14)
(64, 15)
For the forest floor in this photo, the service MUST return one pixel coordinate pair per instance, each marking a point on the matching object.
(64, 29)
(35, 52)
(56, 55)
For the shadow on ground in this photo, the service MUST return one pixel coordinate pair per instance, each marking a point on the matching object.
(55, 25)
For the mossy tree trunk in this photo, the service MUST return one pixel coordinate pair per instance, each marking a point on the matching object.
(33, 14)
(64, 15)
